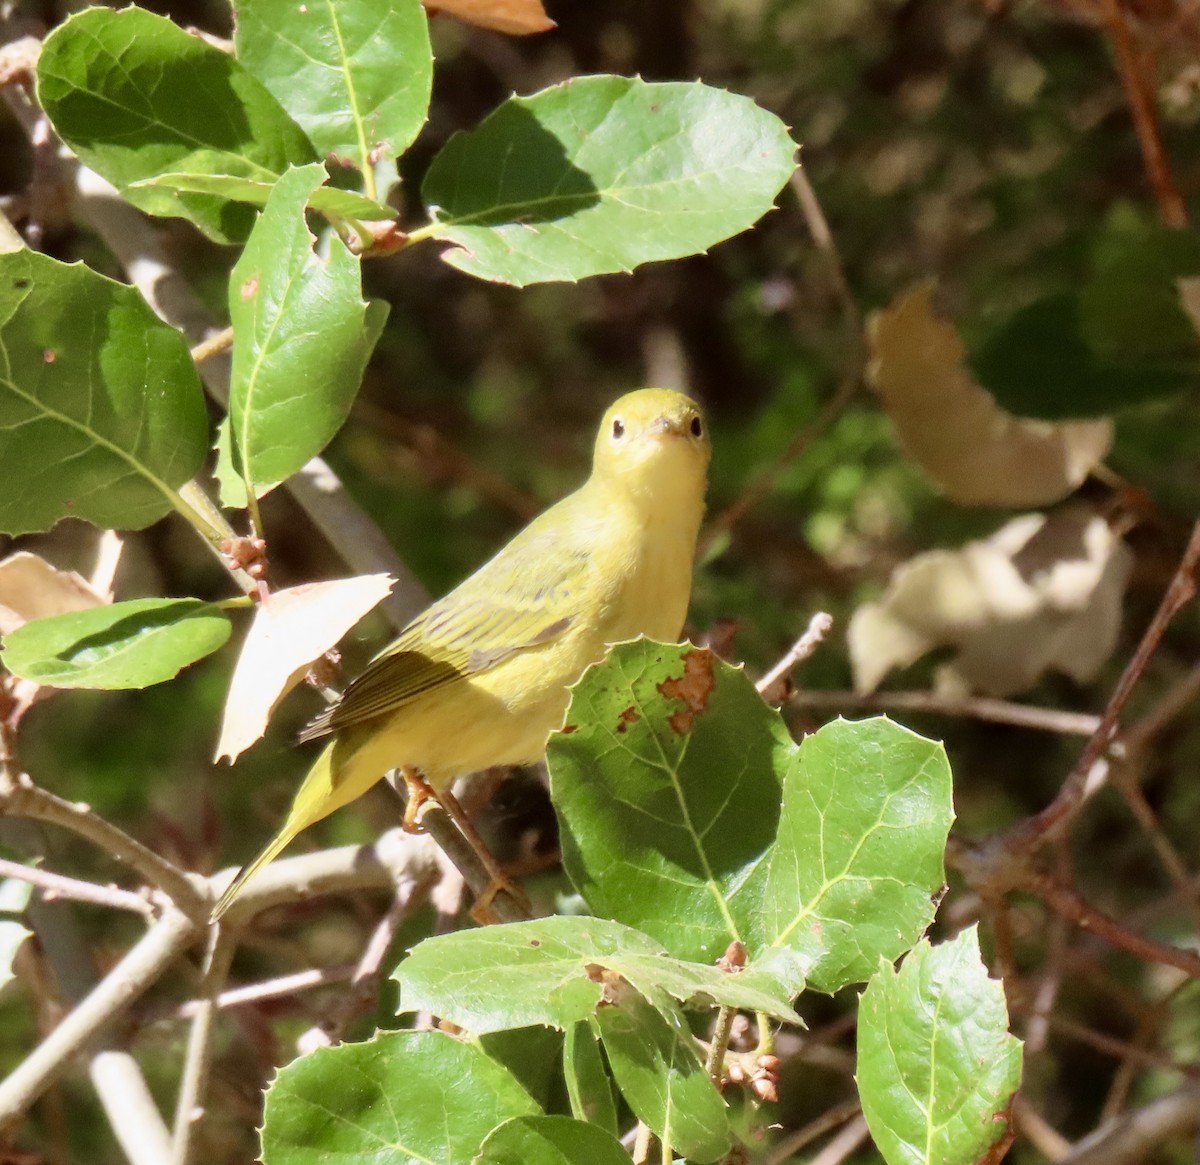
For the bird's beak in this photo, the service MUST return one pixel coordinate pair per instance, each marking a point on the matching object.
(666, 427)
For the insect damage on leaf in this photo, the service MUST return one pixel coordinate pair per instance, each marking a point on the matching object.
(627, 717)
(693, 687)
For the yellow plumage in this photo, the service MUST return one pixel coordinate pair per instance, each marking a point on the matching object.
(481, 678)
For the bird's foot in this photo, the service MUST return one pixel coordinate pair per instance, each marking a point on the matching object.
(419, 793)
(482, 911)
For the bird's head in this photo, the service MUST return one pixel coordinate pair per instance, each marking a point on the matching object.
(654, 444)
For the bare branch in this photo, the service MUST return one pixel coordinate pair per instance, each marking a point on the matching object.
(21, 798)
(60, 886)
(136, 972)
(1131, 1139)
(818, 627)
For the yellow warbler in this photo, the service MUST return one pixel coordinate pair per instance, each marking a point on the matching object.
(481, 677)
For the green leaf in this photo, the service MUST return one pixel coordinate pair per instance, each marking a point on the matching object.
(588, 1086)
(600, 174)
(1122, 339)
(302, 335)
(667, 781)
(355, 76)
(551, 1140)
(656, 1065)
(101, 412)
(403, 1097)
(121, 645)
(667, 813)
(532, 1055)
(552, 971)
(936, 1065)
(859, 856)
(134, 96)
(326, 199)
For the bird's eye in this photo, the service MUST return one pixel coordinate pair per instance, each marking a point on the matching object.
(618, 428)
(697, 428)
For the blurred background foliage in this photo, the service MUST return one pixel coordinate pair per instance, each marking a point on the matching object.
(983, 143)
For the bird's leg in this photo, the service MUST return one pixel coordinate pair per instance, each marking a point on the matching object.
(481, 911)
(418, 790)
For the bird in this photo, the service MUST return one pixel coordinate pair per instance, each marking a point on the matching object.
(483, 675)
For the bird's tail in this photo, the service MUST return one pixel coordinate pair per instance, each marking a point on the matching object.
(315, 798)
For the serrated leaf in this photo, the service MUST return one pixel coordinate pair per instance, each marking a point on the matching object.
(859, 857)
(667, 779)
(667, 788)
(551, 971)
(302, 334)
(291, 629)
(356, 77)
(936, 1065)
(101, 412)
(551, 1140)
(134, 96)
(600, 174)
(588, 1086)
(326, 199)
(401, 1098)
(657, 1067)
(120, 645)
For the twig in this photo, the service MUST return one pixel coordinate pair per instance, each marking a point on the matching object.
(136, 972)
(1040, 1133)
(1131, 1139)
(761, 485)
(60, 886)
(21, 798)
(1139, 93)
(1060, 811)
(212, 346)
(278, 988)
(843, 1144)
(818, 627)
(1070, 904)
(1121, 1049)
(189, 1109)
(814, 1130)
(714, 1064)
(136, 1122)
(974, 707)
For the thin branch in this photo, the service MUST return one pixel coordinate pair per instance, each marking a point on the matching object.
(1139, 93)
(212, 346)
(60, 886)
(1132, 1139)
(1059, 812)
(21, 798)
(843, 1144)
(1040, 1133)
(818, 628)
(763, 483)
(278, 988)
(189, 1109)
(972, 707)
(136, 972)
(814, 1130)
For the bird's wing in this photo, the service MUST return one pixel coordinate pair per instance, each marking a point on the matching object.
(528, 595)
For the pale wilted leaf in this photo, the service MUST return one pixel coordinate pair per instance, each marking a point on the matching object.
(1041, 594)
(31, 588)
(290, 629)
(516, 17)
(971, 449)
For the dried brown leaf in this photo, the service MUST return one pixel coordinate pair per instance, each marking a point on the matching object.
(971, 449)
(1040, 594)
(290, 630)
(516, 17)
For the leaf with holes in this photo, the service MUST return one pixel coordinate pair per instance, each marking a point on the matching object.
(101, 412)
(668, 779)
(601, 174)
